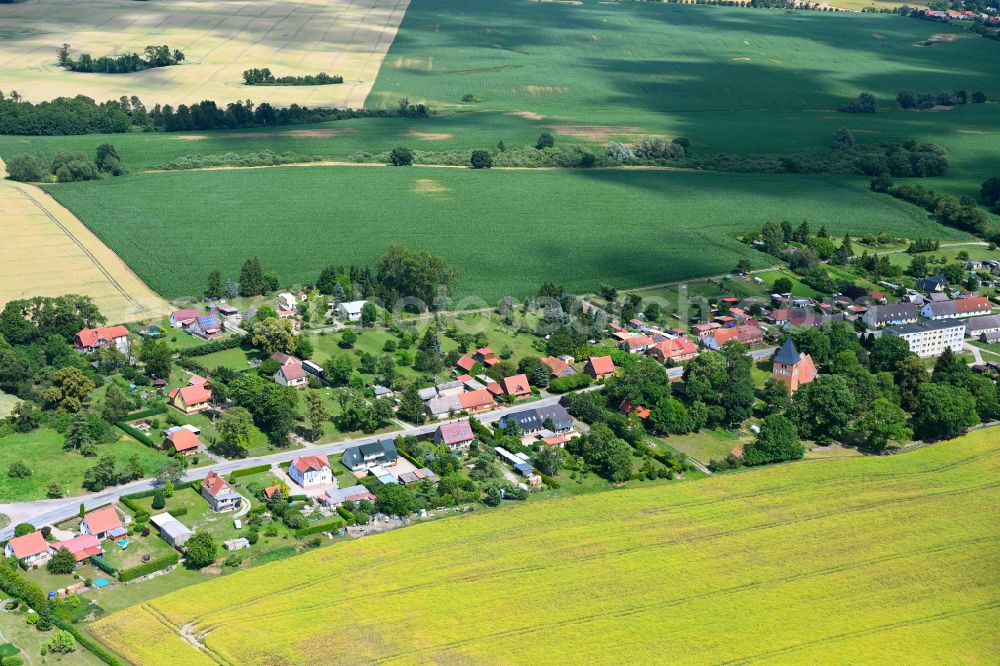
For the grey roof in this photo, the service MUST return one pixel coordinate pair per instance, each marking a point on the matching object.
(976, 324)
(356, 454)
(788, 354)
(893, 311)
(427, 393)
(922, 326)
(170, 526)
(532, 419)
(444, 404)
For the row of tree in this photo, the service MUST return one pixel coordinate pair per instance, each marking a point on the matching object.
(264, 77)
(153, 56)
(67, 167)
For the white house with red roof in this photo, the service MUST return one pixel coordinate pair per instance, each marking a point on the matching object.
(455, 436)
(219, 494)
(82, 546)
(191, 399)
(182, 318)
(311, 471)
(103, 523)
(91, 339)
(293, 375)
(29, 548)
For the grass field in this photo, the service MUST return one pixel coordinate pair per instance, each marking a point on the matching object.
(42, 451)
(47, 252)
(819, 556)
(504, 231)
(220, 40)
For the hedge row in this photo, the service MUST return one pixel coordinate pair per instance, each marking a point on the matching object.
(103, 566)
(257, 469)
(177, 513)
(668, 461)
(298, 498)
(573, 382)
(548, 480)
(146, 413)
(125, 575)
(346, 515)
(328, 526)
(86, 641)
(212, 347)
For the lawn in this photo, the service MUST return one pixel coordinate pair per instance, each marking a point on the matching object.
(15, 629)
(237, 359)
(42, 451)
(563, 226)
(705, 445)
(805, 549)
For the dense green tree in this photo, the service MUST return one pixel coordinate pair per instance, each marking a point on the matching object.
(215, 288)
(369, 314)
(401, 156)
(338, 369)
(157, 356)
(545, 140)
(235, 429)
(63, 562)
(943, 412)
(778, 440)
(116, 405)
(159, 499)
(318, 413)
(881, 423)
(201, 550)
(823, 409)
(274, 335)
(252, 278)
(549, 460)
(414, 273)
(886, 352)
(670, 416)
(481, 159)
(910, 373)
(395, 499)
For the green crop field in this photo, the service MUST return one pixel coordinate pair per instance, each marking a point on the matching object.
(505, 232)
(874, 560)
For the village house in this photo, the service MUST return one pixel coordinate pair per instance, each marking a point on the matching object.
(351, 310)
(191, 399)
(599, 367)
(791, 367)
(443, 406)
(978, 326)
(470, 383)
(930, 338)
(702, 330)
(82, 546)
(455, 436)
(335, 497)
(975, 306)
(486, 356)
(91, 339)
(895, 314)
(281, 358)
(103, 523)
(636, 344)
(219, 494)
(466, 363)
(293, 375)
(531, 421)
(287, 301)
(747, 335)
(172, 531)
(182, 318)
(477, 401)
(933, 283)
(30, 548)
(676, 350)
(558, 367)
(311, 471)
(181, 440)
(205, 327)
(516, 387)
(626, 407)
(367, 456)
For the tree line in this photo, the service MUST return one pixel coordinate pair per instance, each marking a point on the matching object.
(960, 212)
(67, 166)
(82, 115)
(155, 56)
(264, 77)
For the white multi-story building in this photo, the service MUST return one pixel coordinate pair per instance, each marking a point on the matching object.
(930, 338)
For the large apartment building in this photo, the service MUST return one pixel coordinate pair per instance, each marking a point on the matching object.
(930, 338)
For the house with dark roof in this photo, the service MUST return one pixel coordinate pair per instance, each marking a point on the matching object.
(373, 454)
(977, 326)
(792, 368)
(533, 420)
(933, 283)
(205, 326)
(455, 436)
(895, 314)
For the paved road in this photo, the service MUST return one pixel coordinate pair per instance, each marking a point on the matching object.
(47, 512)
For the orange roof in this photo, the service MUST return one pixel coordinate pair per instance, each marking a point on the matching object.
(183, 440)
(601, 365)
(102, 520)
(737, 452)
(465, 378)
(494, 388)
(479, 398)
(88, 337)
(306, 463)
(466, 363)
(627, 408)
(558, 439)
(28, 545)
(193, 395)
(973, 304)
(82, 546)
(214, 483)
(639, 341)
(516, 385)
(556, 366)
(676, 347)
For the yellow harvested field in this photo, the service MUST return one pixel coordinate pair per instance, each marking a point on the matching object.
(47, 251)
(875, 560)
(220, 39)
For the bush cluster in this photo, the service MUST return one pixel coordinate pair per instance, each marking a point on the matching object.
(262, 158)
(67, 167)
(264, 77)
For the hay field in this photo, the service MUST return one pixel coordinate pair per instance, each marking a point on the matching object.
(504, 231)
(220, 38)
(852, 560)
(46, 251)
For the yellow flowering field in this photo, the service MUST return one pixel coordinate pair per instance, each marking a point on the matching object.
(853, 560)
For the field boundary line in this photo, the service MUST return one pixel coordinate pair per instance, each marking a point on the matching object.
(162, 619)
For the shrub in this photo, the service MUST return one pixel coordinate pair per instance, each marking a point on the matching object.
(401, 157)
(28, 169)
(18, 470)
(570, 383)
(23, 528)
(62, 642)
(159, 501)
(481, 159)
(325, 526)
(146, 568)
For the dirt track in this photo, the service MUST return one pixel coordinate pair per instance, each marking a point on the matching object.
(47, 251)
